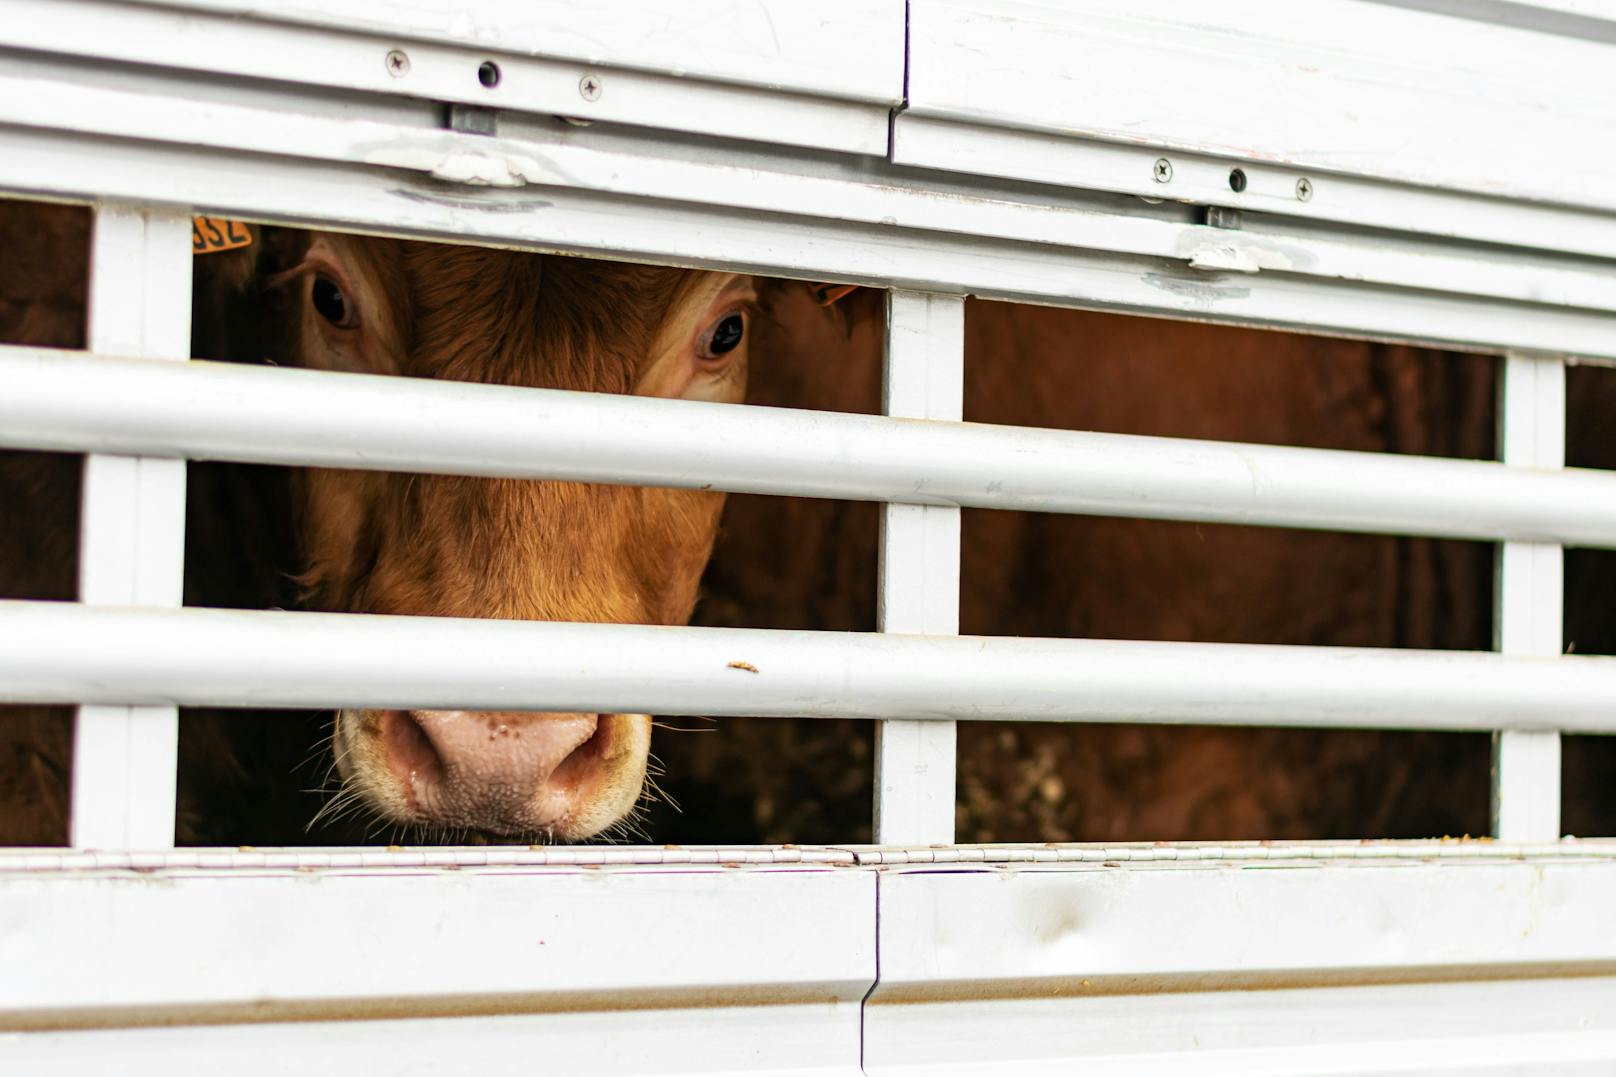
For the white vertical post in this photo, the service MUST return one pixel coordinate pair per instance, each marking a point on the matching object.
(131, 548)
(1526, 618)
(920, 559)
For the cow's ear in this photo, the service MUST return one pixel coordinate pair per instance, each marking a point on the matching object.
(826, 294)
(230, 314)
(225, 253)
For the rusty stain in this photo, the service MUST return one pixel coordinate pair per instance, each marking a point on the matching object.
(749, 667)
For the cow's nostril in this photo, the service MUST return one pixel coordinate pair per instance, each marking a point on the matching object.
(410, 753)
(579, 764)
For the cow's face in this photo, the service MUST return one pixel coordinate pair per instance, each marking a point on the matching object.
(467, 547)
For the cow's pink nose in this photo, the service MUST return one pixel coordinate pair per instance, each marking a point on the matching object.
(511, 772)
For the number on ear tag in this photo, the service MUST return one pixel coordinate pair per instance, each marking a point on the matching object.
(209, 235)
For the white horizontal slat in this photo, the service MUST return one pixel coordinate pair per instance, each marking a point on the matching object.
(290, 945)
(250, 860)
(656, 198)
(772, 70)
(848, 48)
(59, 401)
(59, 652)
(1202, 180)
(1333, 87)
(1413, 968)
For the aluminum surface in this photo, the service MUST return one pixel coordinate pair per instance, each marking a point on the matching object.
(227, 411)
(198, 657)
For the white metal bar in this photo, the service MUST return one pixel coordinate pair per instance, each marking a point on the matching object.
(1530, 588)
(133, 530)
(59, 401)
(59, 652)
(919, 567)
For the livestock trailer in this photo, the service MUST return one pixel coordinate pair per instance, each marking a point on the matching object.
(1410, 170)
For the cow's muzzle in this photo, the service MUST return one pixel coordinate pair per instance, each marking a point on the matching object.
(552, 776)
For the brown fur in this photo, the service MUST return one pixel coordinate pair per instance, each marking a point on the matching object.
(464, 547)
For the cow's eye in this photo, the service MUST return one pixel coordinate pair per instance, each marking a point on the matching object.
(724, 336)
(332, 303)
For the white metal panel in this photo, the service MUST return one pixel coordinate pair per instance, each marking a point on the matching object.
(919, 567)
(1302, 969)
(847, 48)
(1332, 86)
(41, 94)
(520, 939)
(658, 200)
(1529, 604)
(630, 971)
(228, 411)
(824, 75)
(62, 652)
(133, 530)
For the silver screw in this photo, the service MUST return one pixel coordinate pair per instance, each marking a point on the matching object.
(1304, 189)
(589, 87)
(398, 64)
(1163, 171)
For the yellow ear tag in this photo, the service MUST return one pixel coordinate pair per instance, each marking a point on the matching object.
(209, 235)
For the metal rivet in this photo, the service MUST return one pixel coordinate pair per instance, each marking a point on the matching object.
(1237, 180)
(589, 87)
(1163, 170)
(398, 64)
(1304, 189)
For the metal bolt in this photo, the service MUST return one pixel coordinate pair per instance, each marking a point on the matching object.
(1163, 171)
(1304, 189)
(589, 87)
(398, 64)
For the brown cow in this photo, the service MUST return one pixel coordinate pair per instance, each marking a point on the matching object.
(401, 544)
(463, 547)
